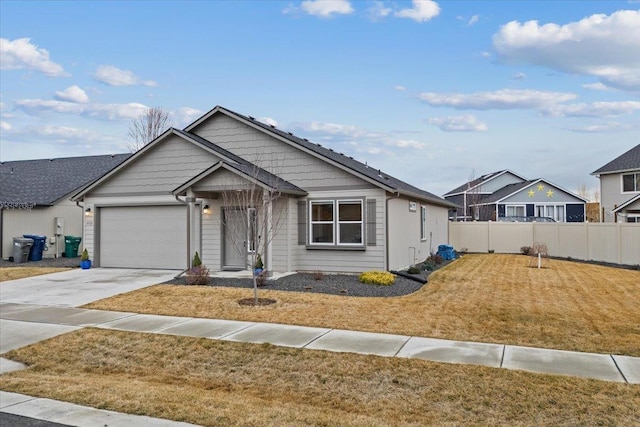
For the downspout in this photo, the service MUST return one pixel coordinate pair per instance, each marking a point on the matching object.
(184, 202)
(1, 231)
(83, 237)
(386, 227)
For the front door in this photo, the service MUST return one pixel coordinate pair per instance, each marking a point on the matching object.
(235, 239)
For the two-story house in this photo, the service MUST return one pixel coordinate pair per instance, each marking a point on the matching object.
(620, 187)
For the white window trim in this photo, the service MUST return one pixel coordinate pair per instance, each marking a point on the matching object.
(524, 208)
(622, 183)
(423, 223)
(336, 223)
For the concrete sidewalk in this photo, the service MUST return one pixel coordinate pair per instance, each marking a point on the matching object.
(33, 322)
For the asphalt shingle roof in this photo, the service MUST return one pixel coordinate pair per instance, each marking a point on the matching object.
(350, 163)
(45, 181)
(625, 162)
(474, 182)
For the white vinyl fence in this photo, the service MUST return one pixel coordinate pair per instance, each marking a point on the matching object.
(617, 243)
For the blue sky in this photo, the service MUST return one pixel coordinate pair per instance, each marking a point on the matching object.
(430, 92)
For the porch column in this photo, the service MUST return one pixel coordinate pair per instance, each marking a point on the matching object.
(268, 230)
(191, 221)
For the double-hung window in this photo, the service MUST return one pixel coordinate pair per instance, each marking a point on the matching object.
(336, 223)
(423, 223)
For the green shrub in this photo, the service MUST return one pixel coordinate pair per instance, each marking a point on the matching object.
(428, 265)
(414, 270)
(196, 260)
(84, 256)
(377, 278)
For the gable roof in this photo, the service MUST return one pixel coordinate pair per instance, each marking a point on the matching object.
(44, 182)
(374, 176)
(625, 162)
(511, 189)
(467, 186)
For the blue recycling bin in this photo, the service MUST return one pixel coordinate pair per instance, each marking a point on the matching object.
(39, 245)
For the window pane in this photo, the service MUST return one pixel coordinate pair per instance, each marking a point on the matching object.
(322, 211)
(560, 217)
(550, 212)
(350, 211)
(539, 210)
(351, 233)
(322, 233)
(628, 183)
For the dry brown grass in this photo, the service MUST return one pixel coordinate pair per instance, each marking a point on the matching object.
(486, 298)
(13, 273)
(222, 383)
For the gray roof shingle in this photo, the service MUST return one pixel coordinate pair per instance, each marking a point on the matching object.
(624, 162)
(46, 181)
(350, 163)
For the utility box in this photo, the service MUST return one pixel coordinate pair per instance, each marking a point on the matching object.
(58, 226)
(21, 248)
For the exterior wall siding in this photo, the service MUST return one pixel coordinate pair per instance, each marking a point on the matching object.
(405, 244)
(40, 221)
(161, 170)
(498, 183)
(343, 261)
(275, 156)
(611, 195)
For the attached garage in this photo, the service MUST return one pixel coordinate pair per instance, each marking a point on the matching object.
(143, 237)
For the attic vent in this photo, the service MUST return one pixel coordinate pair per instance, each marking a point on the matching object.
(305, 139)
(351, 157)
(319, 145)
(273, 126)
(379, 173)
(331, 149)
(290, 133)
(252, 118)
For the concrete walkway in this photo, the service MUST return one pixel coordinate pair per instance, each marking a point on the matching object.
(24, 324)
(42, 307)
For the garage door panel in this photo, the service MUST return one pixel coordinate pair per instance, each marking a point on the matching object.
(143, 237)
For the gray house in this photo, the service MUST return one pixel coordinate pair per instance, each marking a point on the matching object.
(620, 187)
(33, 193)
(505, 195)
(182, 193)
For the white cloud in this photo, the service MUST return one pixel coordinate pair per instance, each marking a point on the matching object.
(73, 94)
(400, 88)
(500, 99)
(5, 125)
(20, 54)
(323, 8)
(467, 123)
(519, 76)
(99, 111)
(606, 47)
(422, 11)
(114, 76)
(187, 115)
(595, 86)
(57, 134)
(378, 11)
(595, 109)
(474, 19)
(603, 128)
(268, 120)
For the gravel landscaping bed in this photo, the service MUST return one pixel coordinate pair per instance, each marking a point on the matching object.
(335, 284)
(45, 262)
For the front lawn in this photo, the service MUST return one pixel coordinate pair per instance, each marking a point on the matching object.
(216, 383)
(13, 273)
(485, 297)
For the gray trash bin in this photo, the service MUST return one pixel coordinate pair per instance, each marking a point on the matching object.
(21, 248)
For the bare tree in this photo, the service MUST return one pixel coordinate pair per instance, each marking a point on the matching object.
(147, 127)
(472, 198)
(255, 209)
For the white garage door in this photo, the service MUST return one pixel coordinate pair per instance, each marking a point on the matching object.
(143, 237)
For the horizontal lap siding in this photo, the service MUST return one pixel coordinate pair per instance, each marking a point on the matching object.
(211, 230)
(161, 170)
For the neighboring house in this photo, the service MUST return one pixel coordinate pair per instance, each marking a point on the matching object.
(169, 200)
(33, 193)
(505, 194)
(620, 187)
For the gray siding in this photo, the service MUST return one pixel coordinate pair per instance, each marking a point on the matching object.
(540, 197)
(161, 170)
(611, 194)
(275, 156)
(498, 183)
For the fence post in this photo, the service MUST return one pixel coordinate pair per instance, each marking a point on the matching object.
(619, 225)
(489, 236)
(586, 227)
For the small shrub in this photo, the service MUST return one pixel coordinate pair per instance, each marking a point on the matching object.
(85, 256)
(414, 270)
(318, 275)
(436, 259)
(377, 278)
(258, 263)
(526, 250)
(198, 275)
(261, 279)
(196, 260)
(429, 265)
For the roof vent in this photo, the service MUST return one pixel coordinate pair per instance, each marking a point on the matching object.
(290, 133)
(305, 139)
(252, 118)
(273, 126)
(379, 173)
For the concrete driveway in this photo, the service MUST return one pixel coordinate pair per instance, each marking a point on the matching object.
(66, 289)
(77, 287)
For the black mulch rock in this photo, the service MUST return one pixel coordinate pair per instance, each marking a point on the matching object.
(45, 262)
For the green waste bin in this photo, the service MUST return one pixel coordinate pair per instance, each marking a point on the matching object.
(71, 244)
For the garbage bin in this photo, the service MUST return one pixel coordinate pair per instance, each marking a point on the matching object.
(71, 244)
(39, 245)
(21, 248)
